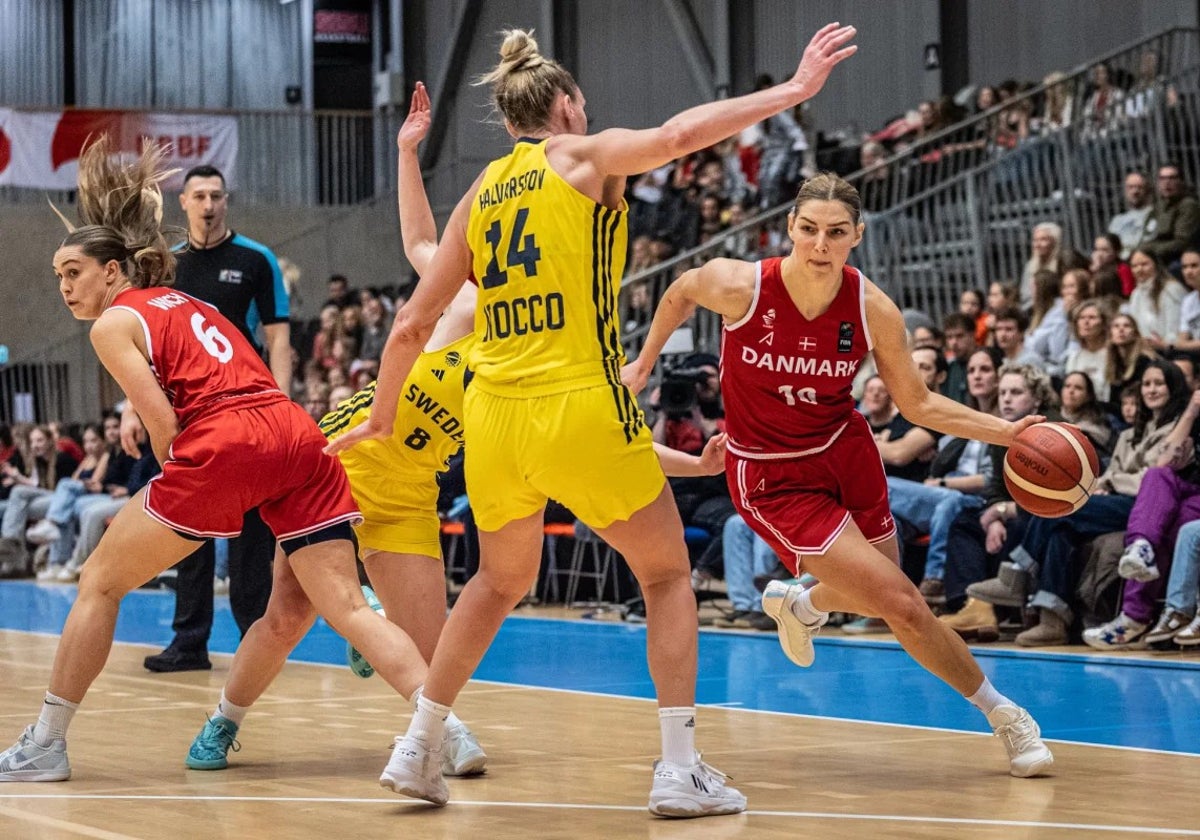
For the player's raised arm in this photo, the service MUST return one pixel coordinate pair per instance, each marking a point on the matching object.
(620, 151)
(413, 325)
(417, 227)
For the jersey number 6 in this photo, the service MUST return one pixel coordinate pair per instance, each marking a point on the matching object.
(216, 344)
(522, 249)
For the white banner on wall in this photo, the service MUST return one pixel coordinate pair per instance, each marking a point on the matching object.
(41, 149)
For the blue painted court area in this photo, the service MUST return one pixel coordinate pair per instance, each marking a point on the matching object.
(1087, 699)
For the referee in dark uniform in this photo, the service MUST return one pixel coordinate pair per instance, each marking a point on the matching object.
(242, 279)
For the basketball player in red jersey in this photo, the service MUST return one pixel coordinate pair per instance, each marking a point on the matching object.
(228, 439)
(802, 468)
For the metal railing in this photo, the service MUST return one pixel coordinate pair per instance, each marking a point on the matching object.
(955, 210)
(60, 381)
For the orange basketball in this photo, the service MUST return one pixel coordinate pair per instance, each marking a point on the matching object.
(1050, 469)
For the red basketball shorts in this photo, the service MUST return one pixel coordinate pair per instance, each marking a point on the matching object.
(267, 457)
(801, 505)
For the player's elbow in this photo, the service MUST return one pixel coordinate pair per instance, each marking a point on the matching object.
(411, 327)
(676, 138)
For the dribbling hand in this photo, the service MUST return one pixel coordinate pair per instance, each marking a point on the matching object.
(416, 125)
(1024, 423)
(821, 55)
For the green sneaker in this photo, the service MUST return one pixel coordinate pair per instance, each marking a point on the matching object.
(357, 662)
(209, 750)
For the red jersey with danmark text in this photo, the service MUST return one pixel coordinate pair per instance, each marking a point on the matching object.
(201, 360)
(785, 379)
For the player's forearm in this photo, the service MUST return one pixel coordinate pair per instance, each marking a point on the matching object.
(673, 311)
(949, 417)
(400, 353)
(418, 230)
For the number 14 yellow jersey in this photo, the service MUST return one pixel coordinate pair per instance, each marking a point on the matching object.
(549, 262)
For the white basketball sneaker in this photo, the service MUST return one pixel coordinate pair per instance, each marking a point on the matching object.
(697, 790)
(794, 635)
(461, 753)
(29, 761)
(1028, 754)
(415, 770)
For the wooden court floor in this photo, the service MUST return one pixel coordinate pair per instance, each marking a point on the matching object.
(562, 765)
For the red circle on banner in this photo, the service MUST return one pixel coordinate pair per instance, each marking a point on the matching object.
(5, 150)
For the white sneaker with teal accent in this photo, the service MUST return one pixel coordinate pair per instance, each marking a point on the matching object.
(211, 747)
(357, 662)
(461, 753)
(29, 761)
(415, 770)
(697, 790)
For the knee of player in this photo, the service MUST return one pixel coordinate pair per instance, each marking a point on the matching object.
(95, 582)
(508, 584)
(287, 625)
(904, 609)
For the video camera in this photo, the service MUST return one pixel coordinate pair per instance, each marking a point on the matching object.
(677, 394)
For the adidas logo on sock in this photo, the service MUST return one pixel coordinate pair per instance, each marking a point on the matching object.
(691, 724)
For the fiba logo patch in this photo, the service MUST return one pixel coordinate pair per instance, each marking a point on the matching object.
(769, 319)
(845, 337)
(453, 358)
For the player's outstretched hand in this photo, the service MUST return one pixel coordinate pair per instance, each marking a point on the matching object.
(634, 378)
(416, 125)
(824, 51)
(357, 435)
(712, 459)
(1024, 423)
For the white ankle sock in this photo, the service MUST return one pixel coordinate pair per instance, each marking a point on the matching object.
(52, 723)
(229, 711)
(804, 610)
(428, 721)
(987, 698)
(678, 724)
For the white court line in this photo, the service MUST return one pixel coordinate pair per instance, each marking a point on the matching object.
(828, 718)
(500, 687)
(563, 806)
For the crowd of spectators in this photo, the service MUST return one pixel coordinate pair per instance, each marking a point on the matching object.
(1115, 358)
(1100, 333)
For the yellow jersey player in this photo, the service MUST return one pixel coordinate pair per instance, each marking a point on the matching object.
(394, 483)
(543, 231)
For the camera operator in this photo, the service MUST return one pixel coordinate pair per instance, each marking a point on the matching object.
(689, 404)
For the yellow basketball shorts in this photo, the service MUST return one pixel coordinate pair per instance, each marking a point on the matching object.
(398, 504)
(583, 448)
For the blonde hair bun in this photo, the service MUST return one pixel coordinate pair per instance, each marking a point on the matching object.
(519, 51)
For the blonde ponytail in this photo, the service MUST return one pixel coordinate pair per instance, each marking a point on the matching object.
(121, 207)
